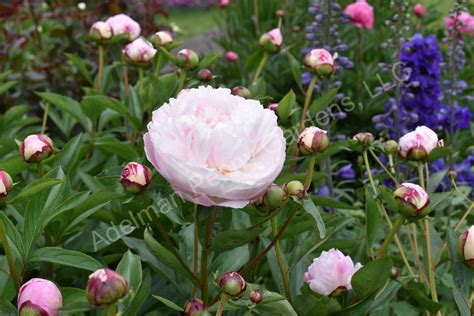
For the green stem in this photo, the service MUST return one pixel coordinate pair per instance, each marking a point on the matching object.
(40, 170)
(111, 310)
(420, 175)
(141, 76)
(391, 165)
(257, 20)
(205, 252)
(45, 118)
(224, 299)
(182, 80)
(158, 65)
(307, 100)
(281, 262)
(196, 245)
(309, 175)
(383, 166)
(101, 68)
(369, 172)
(125, 80)
(260, 67)
(396, 226)
(9, 255)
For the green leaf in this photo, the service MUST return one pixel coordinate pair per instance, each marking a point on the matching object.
(4, 87)
(130, 268)
(372, 216)
(35, 187)
(7, 308)
(80, 65)
(13, 165)
(65, 257)
(231, 239)
(142, 295)
(72, 295)
(315, 212)
(462, 275)
(258, 89)
(169, 303)
(461, 302)
(435, 179)
(276, 305)
(326, 201)
(114, 146)
(438, 152)
(286, 105)
(417, 291)
(320, 104)
(209, 59)
(295, 69)
(371, 277)
(94, 105)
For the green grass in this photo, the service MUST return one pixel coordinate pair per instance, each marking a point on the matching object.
(192, 21)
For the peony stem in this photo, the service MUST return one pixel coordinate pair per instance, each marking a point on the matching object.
(224, 300)
(45, 118)
(383, 166)
(257, 20)
(260, 67)
(101, 68)
(281, 262)
(111, 310)
(125, 79)
(158, 64)
(182, 80)
(420, 175)
(141, 76)
(396, 226)
(9, 255)
(369, 172)
(309, 175)
(196, 245)
(205, 252)
(307, 100)
(391, 165)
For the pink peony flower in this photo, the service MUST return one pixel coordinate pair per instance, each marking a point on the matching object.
(231, 56)
(361, 14)
(418, 144)
(39, 297)
(419, 10)
(101, 31)
(414, 199)
(225, 3)
(331, 273)
(140, 51)
(320, 61)
(36, 148)
(464, 23)
(123, 24)
(6, 183)
(271, 41)
(135, 177)
(466, 246)
(162, 38)
(275, 37)
(216, 148)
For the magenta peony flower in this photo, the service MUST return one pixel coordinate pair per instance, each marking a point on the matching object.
(123, 24)
(135, 177)
(139, 52)
(320, 61)
(466, 246)
(413, 200)
(101, 31)
(361, 14)
(6, 183)
(36, 148)
(418, 144)
(464, 23)
(331, 273)
(419, 10)
(39, 297)
(215, 148)
(231, 56)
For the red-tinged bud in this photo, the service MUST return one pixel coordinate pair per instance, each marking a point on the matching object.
(101, 32)
(274, 196)
(187, 59)
(36, 148)
(39, 297)
(273, 106)
(204, 74)
(161, 39)
(135, 177)
(232, 284)
(365, 138)
(313, 140)
(419, 10)
(394, 272)
(256, 296)
(466, 247)
(417, 144)
(271, 41)
(6, 183)
(231, 56)
(280, 13)
(412, 199)
(241, 92)
(105, 287)
(194, 307)
(140, 52)
(320, 62)
(295, 188)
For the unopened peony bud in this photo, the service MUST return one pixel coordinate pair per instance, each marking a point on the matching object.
(256, 296)
(135, 177)
(204, 74)
(419, 10)
(101, 31)
(273, 106)
(274, 196)
(295, 188)
(280, 13)
(330, 274)
(452, 174)
(365, 138)
(418, 144)
(36, 148)
(39, 297)
(320, 62)
(412, 199)
(241, 92)
(232, 284)
(105, 287)
(6, 183)
(466, 247)
(313, 140)
(124, 25)
(394, 272)
(224, 3)
(140, 52)
(194, 307)
(187, 59)
(390, 147)
(231, 56)
(161, 39)
(271, 41)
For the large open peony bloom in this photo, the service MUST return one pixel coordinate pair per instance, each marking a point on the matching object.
(216, 148)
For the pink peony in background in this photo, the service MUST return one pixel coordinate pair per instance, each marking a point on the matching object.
(40, 295)
(464, 24)
(361, 14)
(216, 148)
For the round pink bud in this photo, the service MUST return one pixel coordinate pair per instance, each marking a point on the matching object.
(273, 106)
(331, 273)
(39, 297)
(6, 183)
(466, 247)
(204, 74)
(452, 174)
(241, 92)
(232, 284)
(271, 41)
(394, 272)
(418, 144)
(194, 307)
(364, 138)
(231, 56)
(280, 13)
(162, 39)
(105, 287)
(123, 24)
(187, 59)
(135, 177)
(224, 3)
(256, 296)
(101, 31)
(36, 148)
(313, 140)
(140, 52)
(295, 188)
(419, 10)
(390, 147)
(412, 199)
(361, 14)
(320, 61)
(274, 196)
